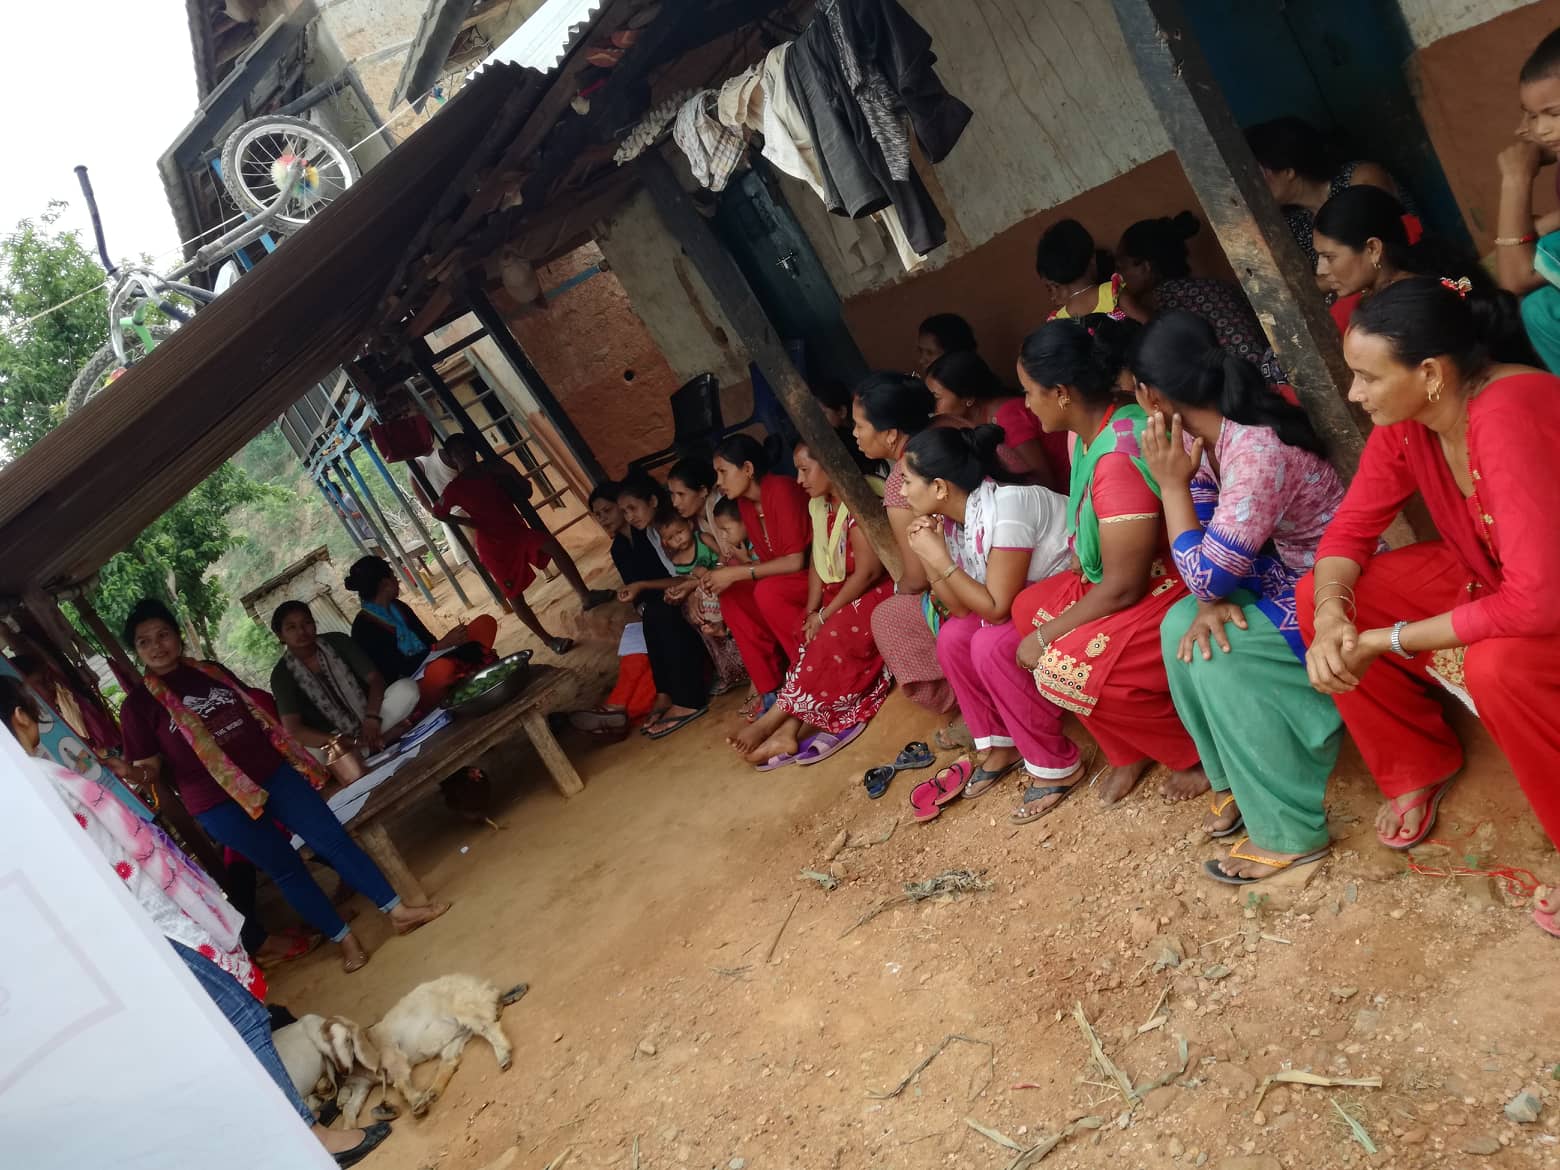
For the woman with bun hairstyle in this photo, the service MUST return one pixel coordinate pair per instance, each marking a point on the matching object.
(765, 600)
(1246, 504)
(1365, 242)
(967, 389)
(979, 542)
(1080, 278)
(1473, 611)
(1092, 632)
(889, 410)
(1153, 263)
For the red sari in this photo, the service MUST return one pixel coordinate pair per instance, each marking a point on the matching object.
(1495, 569)
(1112, 671)
(765, 617)
(839, 679)
(509, 548)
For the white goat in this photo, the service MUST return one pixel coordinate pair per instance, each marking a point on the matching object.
(435, 1019)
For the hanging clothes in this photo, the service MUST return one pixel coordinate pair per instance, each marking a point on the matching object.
(858, 70)
(713, 150)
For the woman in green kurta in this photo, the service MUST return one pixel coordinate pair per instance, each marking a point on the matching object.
(1247, 494)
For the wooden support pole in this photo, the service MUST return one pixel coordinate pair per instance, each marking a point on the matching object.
(503, 336)
(737, 300)
(1278, 279)
(100, 630)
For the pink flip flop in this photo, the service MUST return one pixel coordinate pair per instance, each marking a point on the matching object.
(929, 796)
(824, 745)
(1430, 801)
(1546, 918)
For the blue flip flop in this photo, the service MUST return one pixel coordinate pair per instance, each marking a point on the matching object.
(916, 755)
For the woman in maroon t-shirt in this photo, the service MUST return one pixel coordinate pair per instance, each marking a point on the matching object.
(242, 779)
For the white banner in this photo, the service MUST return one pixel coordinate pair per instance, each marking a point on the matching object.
(111, 1055)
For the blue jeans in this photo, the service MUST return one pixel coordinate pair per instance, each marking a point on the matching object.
(304, 811)
(249, 1019)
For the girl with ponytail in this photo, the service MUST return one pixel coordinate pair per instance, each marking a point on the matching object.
(1092, 632)
(1473, 611)
(979, 543)
(1247, 495)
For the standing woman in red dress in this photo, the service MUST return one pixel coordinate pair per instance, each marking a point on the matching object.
(509, 548)
(763, 602)
(1473, 611)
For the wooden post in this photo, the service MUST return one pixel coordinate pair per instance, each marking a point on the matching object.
(503, 336)
(1278, 279)
(100, 630)
(720, 271)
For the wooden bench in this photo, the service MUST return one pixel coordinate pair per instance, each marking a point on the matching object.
(457, 746)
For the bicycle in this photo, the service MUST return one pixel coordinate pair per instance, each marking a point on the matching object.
(282, 171)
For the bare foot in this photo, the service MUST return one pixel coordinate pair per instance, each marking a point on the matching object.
(353, 956)
(781, 743)
(1119, 782)
(1216, 823)
(1187, 785)
(406, 918)
(746, 741)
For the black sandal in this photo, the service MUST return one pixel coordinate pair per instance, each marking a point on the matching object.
(1039, 792)
(372, 1136)
(914, 756)
(983, 780)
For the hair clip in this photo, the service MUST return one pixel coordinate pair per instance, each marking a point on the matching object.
(1462, 286)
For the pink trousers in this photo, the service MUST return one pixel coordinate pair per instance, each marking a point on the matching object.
(1000, 704)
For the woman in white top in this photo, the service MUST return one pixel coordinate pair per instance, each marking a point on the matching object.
(981, 542)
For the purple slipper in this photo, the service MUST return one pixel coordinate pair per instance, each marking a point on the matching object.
(825, 745)
(775, 762)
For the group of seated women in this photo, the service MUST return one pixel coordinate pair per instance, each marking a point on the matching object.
(1206, 596)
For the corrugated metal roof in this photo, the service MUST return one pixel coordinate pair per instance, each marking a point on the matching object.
(542, 42)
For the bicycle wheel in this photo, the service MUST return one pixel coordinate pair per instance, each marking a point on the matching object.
(254, 167)
(104, 366)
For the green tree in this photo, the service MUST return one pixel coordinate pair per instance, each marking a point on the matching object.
(40, 356)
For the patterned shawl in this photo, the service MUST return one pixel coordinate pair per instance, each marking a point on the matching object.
(181, 899)
(335, 691)
(969, 544)
(244, 790)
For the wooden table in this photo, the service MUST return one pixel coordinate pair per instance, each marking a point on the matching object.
(457, 746)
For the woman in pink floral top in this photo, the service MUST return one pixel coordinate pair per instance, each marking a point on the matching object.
(1247, 494)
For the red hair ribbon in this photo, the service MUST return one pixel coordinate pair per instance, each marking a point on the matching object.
(1413, 229)
(1462, 286)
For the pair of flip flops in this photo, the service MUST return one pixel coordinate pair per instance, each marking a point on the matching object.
(960, 778)
(814, 749)
(915, 755)
(1279, 864)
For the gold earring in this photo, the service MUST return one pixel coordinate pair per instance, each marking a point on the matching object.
(1435, 392)
(1063, 401)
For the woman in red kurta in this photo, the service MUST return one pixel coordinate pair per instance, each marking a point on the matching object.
(838, 680)
(509, 548)
(763, 603)
(1473, 611)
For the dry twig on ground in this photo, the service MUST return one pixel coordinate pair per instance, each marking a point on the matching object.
(952, 882)
(769, 956)
(933, 1055)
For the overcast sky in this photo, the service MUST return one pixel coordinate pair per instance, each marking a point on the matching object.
(104, 83)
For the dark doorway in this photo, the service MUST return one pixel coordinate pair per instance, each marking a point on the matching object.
(1339, 64)
(777, 258)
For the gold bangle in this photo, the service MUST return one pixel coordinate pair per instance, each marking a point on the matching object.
(948, 572)
(1516, 241)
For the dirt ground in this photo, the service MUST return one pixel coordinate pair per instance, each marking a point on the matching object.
(660, 1031)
